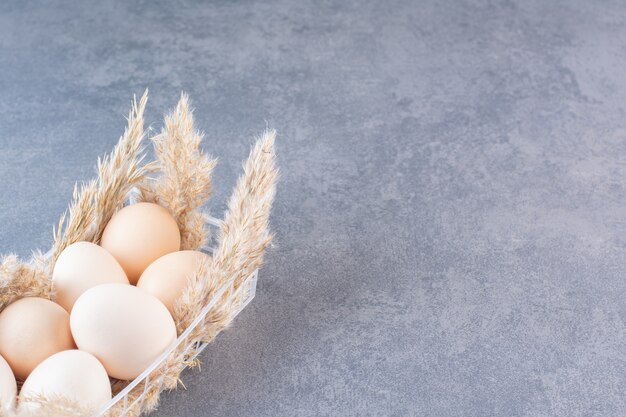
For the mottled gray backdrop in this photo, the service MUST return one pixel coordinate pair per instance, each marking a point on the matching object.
(451, 221)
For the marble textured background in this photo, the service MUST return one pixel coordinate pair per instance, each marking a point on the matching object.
(451, 221)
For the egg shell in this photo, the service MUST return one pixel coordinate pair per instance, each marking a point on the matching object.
(123, 326)
(167, 277)
(83, 265)
(72, 374)
(32, 329)
(138, 235)
(8, 388)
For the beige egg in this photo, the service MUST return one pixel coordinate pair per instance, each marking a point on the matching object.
(80, 266)
(32, 329)
(123, 326)
(8, 388)
(167, 277)
(138, 235)
(72, 374)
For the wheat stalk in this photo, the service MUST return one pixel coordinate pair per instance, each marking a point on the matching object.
(94, 203)
(54, 405)
(185, 183)
(21, 279)
(245, 235)
(121, 170)
(77, 222)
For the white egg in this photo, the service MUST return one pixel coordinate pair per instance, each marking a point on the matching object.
(83, 265)
(72, 374)
(167, 277)
(123, 326)
(8, 387)
(138, 235)
(32, 329)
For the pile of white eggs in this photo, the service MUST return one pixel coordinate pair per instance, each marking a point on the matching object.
(110, 314)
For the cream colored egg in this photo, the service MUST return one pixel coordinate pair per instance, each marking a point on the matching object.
(167, 277)
(72, 374)
(123, 326)
(138, 235)
(8, 388)
(32, 329)
(80, 266)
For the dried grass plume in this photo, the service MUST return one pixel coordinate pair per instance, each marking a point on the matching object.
(185, 181)
(94, 203)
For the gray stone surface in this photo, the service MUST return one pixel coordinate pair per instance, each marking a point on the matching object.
(451, 221)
